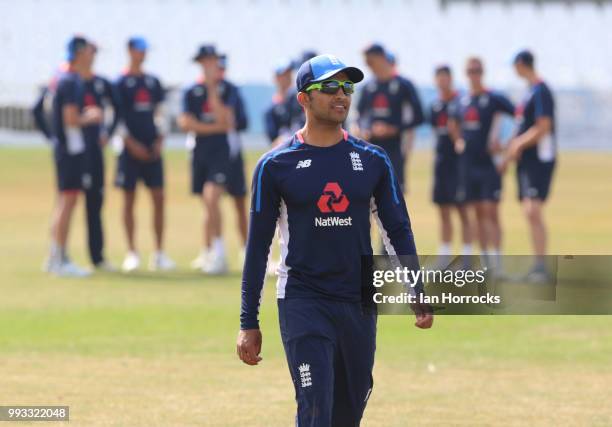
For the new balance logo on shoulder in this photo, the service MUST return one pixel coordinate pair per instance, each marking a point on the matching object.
(356, 161)
(305, 377)
(304, 164)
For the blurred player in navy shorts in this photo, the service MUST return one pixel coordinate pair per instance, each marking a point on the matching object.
(139, 95)
(69, 116)
(322, 186)
(389, 108)
(448, 188)
(475, 122)
(208, 114)
(236, 182)
(535, 151)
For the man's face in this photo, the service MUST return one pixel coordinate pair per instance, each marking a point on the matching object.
(474, 71)
(520, 69)
(89, 55)
(377, 63)
(284, 80)
(137, 56)
(210, 65)
(443, 81)
(326, 107)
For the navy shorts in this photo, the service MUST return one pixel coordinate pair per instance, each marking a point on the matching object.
(70, 170)
(482, 184)
(236, 182)
(448, 188)
(534, 179)
(131, 170)
(330, 348)
(209, 163)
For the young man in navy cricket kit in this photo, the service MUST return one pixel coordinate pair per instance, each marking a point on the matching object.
(282, 118)
(139, 95)
(207, 113)
(535, 150)
(474, 125)
(322, 186)
(69, 117)
(448, 189)
(236, 181)
(389, 109)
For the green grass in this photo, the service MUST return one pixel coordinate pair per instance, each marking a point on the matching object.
(148, 350)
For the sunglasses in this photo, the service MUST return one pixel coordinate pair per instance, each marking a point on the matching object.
(331, 87)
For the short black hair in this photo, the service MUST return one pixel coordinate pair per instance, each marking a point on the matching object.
(443, 69)
(525, 57)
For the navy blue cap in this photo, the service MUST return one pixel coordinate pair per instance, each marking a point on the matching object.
(75, 44)
(375, 49)
(138, 43)
(524, 57)
(443, 68)
(204, 51)
(323, 67)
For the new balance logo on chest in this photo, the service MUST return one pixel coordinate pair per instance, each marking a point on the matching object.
(356, 161)
(304, 164)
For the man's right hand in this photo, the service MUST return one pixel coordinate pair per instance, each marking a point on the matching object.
(248, 346)
(137, 150)
(92, 115)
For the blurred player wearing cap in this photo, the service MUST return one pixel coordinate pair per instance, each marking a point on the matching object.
(474, 125)
(139, 95)
(389, 108)
(322, 186)
(534, 149)
(448, 189)
(279, 117)
(207, 113)
(236, 182)
(69, 116)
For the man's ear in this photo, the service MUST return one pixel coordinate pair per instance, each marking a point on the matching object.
(303, 99)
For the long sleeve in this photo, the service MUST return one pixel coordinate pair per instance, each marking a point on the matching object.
(412, 98)
(38, 112)
(265, 205)
(272, 128)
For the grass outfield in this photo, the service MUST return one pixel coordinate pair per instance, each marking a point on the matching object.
(158, 350)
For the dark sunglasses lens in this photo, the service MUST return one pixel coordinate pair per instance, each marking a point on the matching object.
(330, 87)
(348, 88)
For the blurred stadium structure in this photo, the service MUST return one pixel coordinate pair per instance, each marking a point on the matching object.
(570, 38)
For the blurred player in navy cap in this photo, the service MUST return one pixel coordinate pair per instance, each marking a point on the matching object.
(448, 191)
(389, 108)
(535, 150)
(69, 116)
(207, 112)
(282, 118)
(475, 126)
(139, 95)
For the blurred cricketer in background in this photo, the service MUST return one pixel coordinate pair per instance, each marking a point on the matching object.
(69, 116)
(448, 188)
(139, 95)
(473, 124)
(535, 150)
(389, 108)
(208, 115)
(322, 186)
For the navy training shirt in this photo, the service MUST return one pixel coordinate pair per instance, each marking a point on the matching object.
(97, 92)
(68, 90)
(539, 102)
(284, 117)
(476, 115)
(439, 115)
(394, 102)
(195, 102)
(322, 199)
(138, 96)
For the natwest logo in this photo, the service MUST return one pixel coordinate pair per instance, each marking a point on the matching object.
(332, 199)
